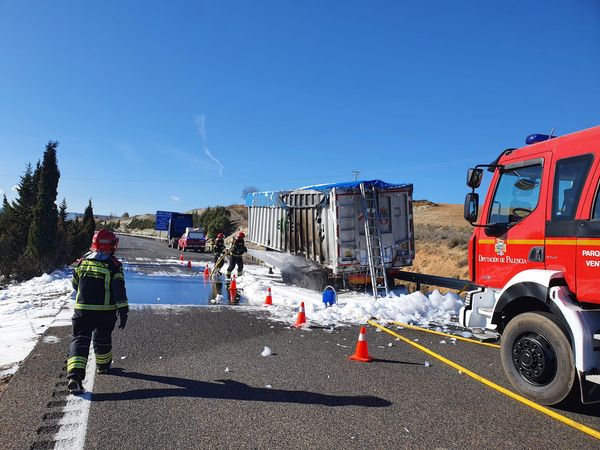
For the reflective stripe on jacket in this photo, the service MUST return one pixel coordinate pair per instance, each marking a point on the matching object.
(100, 283)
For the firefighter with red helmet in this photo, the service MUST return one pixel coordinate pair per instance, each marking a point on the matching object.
(219, 247)
(101, 297)
(237, 249)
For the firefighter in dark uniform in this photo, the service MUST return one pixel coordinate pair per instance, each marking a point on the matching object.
(219, 246)
(101, 297)
(238, 248)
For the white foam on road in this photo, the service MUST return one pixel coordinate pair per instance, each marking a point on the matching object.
(352, 307)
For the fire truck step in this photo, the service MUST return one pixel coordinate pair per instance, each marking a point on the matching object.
(593, 377)
(488, 312)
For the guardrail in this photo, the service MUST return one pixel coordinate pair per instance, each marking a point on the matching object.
(144, 236)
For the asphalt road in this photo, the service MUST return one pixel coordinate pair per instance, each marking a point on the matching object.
(194, 377)
(138, 249)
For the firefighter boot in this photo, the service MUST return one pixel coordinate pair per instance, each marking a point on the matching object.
(103, 369)
(75, 386)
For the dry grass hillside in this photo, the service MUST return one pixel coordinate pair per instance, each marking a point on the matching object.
(441, 240)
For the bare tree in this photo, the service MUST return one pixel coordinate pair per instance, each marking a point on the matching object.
(248, 190)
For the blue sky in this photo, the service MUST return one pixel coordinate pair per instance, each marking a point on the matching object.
(178, 105)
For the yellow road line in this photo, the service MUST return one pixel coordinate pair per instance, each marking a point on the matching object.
(578, 426)
(439, 333)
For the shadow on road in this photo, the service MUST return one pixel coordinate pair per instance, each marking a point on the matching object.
(573, 404)
(230, 390)
(393, 361)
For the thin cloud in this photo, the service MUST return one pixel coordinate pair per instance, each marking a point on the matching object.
(200, 121)
(175, 198)
(128, 151)
(15, 188)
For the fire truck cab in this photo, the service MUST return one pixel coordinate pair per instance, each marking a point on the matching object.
(535, 255)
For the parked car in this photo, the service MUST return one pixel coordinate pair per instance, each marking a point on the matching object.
(192, 239)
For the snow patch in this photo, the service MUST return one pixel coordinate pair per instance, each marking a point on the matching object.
(26, 310)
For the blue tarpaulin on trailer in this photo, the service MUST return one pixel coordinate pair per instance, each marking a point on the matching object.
(271, 198)
(353, 185)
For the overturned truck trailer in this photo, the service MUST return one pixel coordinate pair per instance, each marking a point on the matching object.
(322, 230)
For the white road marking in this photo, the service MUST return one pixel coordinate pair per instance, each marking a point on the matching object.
(73, 425)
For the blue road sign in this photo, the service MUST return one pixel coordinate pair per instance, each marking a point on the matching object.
(162, 220)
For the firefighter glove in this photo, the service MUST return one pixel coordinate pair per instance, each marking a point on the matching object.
(122, 319)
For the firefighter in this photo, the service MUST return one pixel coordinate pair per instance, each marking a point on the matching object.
(219, 246)
(101, 297)
(237, 249)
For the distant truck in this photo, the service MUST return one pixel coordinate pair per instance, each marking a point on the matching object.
(320, 231)
(174, 224)
(192, 239)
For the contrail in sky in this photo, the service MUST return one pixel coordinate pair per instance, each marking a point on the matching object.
(201, 127)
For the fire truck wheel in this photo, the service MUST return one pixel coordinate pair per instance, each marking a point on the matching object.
(537, 357)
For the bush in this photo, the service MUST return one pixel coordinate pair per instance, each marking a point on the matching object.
(216, 220)
(140, 224)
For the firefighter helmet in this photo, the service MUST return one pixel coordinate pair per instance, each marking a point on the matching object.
(105, 241)
(220, 236)
(241, 235)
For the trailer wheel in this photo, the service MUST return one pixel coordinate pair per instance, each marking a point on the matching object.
(537, 357)
(317, 280)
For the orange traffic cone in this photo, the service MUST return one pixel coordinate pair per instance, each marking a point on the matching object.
(268, 299)
(189, 264)
(301, 320)
(233, 286)
(206, 272)
(181, 257)
(362, 350)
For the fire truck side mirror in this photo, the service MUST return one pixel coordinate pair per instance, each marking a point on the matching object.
(474, 177)
(471, 211)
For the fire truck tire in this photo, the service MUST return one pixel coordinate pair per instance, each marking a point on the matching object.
(537, 357)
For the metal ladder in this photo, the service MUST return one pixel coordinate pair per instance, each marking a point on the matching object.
(372, 236)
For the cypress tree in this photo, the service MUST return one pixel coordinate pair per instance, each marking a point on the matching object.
(89, 224)
(7, 247)
(62, 243)
(18, 222)
(5, 215)
(76, 240)
(62, 215)
(41, 251)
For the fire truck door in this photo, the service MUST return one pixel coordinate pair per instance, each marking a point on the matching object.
(562, 229)
(514, 238)
(588, 243)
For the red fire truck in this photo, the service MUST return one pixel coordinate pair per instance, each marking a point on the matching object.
(535, 257)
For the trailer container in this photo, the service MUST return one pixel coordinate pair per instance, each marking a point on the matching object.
(324, 224)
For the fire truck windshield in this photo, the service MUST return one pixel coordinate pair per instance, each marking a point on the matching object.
(516, 196)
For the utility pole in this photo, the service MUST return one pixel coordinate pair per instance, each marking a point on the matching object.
(355, 172)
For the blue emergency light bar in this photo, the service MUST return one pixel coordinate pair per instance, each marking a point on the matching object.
(535, 138)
